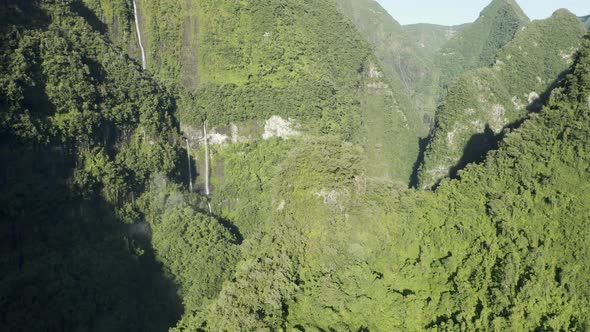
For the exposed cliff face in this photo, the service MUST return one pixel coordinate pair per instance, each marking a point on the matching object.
(485, 101)
(238, 61)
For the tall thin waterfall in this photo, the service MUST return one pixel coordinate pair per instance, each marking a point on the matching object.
(190, 174)
(206, 165)
(143, 61)
(206, 159)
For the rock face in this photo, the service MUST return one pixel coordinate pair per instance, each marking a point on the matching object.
(483, 102)
(279, 127)
(241, 132)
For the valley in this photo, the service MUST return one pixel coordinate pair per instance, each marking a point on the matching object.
(291, 165)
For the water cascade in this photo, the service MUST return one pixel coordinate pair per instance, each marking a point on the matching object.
(206, 165)
(190, 175)
(143, 61)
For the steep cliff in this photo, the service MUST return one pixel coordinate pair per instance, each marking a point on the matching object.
(304, 221)
(484, 102)
(295, 59)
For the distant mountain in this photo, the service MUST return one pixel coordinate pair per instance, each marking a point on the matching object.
(430, 38)
(426, 57)
(586, 21)
(410, 63)
(483, 102)
(476, 45)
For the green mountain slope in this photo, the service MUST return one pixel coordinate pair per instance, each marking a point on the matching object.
(126, 174)
(505, 247)
(87, 140)
(410, 64)
(476, 45)
(509, 254)
(105, 224)
(295, 59)
(483, 102)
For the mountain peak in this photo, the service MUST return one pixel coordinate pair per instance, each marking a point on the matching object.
(497, 6)
(476, 45)
(562, 12)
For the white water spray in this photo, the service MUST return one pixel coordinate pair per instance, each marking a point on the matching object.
(190, 175)
(206, 165)
(143, 61)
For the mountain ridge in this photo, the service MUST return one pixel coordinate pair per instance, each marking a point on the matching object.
(476, 45)
(484, 101)
(399, 56)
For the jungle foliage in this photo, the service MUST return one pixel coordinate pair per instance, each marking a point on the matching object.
(84, 131)
(486, 101)
(501, 248)
(100, 232)
(476, 45)
(235, 61)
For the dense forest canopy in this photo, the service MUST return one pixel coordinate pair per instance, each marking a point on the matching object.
(259, 174)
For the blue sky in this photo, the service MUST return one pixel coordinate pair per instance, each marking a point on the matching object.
(452, 12)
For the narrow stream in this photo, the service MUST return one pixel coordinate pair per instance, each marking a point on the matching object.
(143, 61)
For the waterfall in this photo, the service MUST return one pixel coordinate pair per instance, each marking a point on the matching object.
(206, 165)
(209, 205)
(188, 158)
(143, 61)
(206, 159)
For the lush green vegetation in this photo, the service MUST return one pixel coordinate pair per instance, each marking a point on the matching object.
(296, 59)
(84, 132)
(483, 102)
(509, 254)
(476, 45)
(99, 231)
